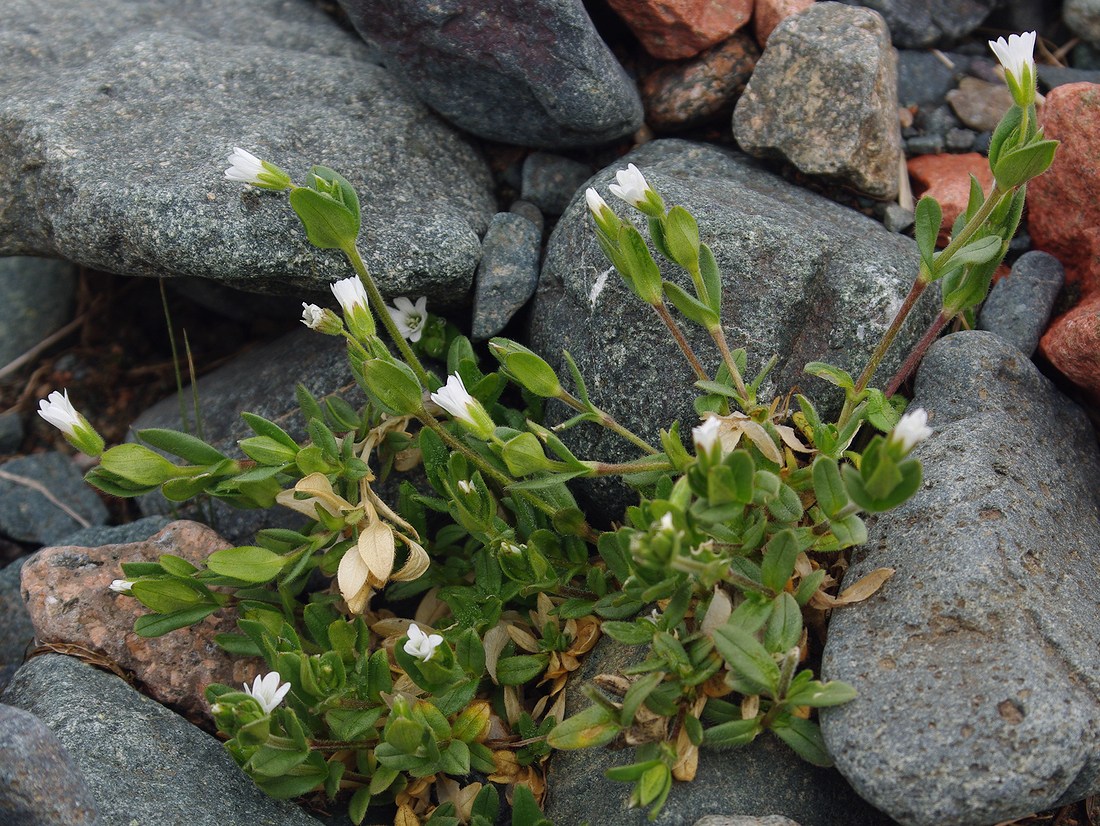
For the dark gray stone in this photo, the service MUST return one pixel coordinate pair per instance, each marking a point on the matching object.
(763, 778)
(897, 218)
(116, 120)
(530, 72)
(915, 24)
(742, 820)
(960, 140)
(550, 181)
(804, 279)
(924, 79)
(38, 295)
(925, 144)
(977, 665)
(98, 535)
(261, 381)
(27, 515)
(16, 630)
(1053, 76)
(1083, 19)
(39, 783)
(508, 272)
(529, 211)
(1018, 307)
(11, 431)
(824, 97)
(142, 762)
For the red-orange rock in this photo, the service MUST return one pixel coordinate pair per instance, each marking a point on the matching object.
(675, 29)
(947, 179)
(1072, 344)
(693, 91)
(70, 603)
(1063, 213)
(770, 13)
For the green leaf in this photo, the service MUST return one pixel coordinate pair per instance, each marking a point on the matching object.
(642, 274)
(831, 374)
(329, 224)
(168, 595)
(818, 695)
(267, 451)
(690, 306)
(138, 464)
(358, 805)
(274, 758)
(262, 427)
(849, 531)
(712, 278)
(828, 486)
(804, 737)
(587, 729)
(155, 625)
(628, 633)
(977, 252)
(520, 669)
(525, 809)
(249, 563)
(779, 557)
(392, 386)
(1009, 123)
(1019, 166)
(681, 233)
(184, 445)
(749, 661)
(784, 629)
(732, 734)
(929, 217)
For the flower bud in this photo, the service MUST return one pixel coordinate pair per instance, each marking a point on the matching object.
(248, 169)
(59, 411)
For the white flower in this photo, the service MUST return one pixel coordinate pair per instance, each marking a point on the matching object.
(121, 586)
(410, 318)
(596, 204)
(466, 486)
(912, 428)
(456, 400)
(351, 293)
(631, 187)
(248, 169)
(267, 692)
(312, 316)
(59, 411)
(512, 548)
(421, 645)
(705, 435)
(1017, 56)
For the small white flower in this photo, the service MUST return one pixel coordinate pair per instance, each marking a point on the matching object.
(312, 316)
(466, 486)
(267, 692)
(410, 318)
(455, 399)
(653, 616)
(421, 645)
(248, 169)
(1017, 54)
(59, 411)
(596, 204)
(121, 586)
(912, 429)
(666, 522)
(631, 187)
(705, 435)
(351, 293)
(512, 548)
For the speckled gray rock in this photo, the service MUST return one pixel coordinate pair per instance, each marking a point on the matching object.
(16, 630)
(915, 24)
(11, 431)
(1018, 307)
(1052, 76)
(38, 295)
(744, 820)
(764, 778)
(978, 664)
(26, 515)
(39, 783)
(508, 273)
(804, 279)
(142, 762)
(134, 531)
(1083, 19)
(261, 381)
(824, 97)
(924, 78)
(116, 119)
(529, 211)
(530, 72)
(550, 181)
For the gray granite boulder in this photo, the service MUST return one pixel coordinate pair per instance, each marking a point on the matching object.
(824, 97)
(532, 72)
(804, 279)
(38, 296)
(915, 24)
(116, 120)
(39, 783)
(1019, 305)
(978, 664)
(43, 499)
(142, 762)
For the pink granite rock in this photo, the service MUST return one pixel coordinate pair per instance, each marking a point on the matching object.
(70, 604)
(675, 29)
(1063, 210)
(693, 91)
(770, 13)
(947, 179)
(1072, 344)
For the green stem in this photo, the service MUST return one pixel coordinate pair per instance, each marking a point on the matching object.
(719, 336)
(605, 420)
(682, 343)
(625, 469)
(918, 352)
(379, 305)
(966, 233)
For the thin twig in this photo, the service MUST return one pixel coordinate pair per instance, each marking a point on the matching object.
(38, 486)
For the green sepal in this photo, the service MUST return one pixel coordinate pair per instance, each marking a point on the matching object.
(690, 306)
(929, 217)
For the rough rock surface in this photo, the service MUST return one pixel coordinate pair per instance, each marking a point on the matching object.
(824, 97)
(979, 103)
(549, 181)
(39, 783)
(532, 72)
(1072, 344)
(679, 95)
(767, 14)
(43, 499)
(507, 275)
(676, 29)
(763, 778)
(1063, 212)
(1083, 19)
(947, 179)
(116, 119)
(143, 763)
(1018, 307)
(915, 24)
(16, 631)
(977, 665)
(37, 299)
(67, 594)
(804, 279)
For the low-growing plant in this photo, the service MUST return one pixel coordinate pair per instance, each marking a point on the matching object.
(502, 583)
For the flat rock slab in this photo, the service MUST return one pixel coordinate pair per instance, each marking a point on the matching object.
(143, 763)
(116, 120)
(978, 664)
(531, 72)
(804, 279)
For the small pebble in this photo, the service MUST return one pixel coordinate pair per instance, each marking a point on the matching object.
(925, 145)
(508, 273)
(529, 211)
(960, 140)
(550, 181)
(897, 218)
(1019, 305)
